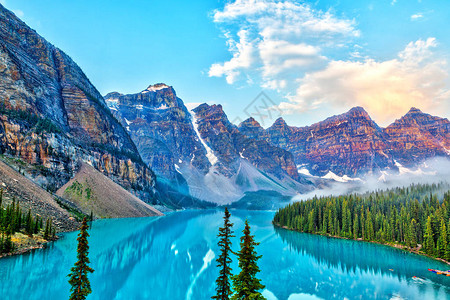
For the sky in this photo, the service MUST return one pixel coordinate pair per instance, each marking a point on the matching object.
(302, 60)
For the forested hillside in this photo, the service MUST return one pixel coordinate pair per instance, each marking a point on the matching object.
(14, 220)
(416, 217)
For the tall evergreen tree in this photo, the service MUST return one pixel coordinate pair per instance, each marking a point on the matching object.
(223, 282)
(442, 239)
(79, 281)
(47, 229)
(246, 285)
(429, 239)
(412, 234)
(356, 227)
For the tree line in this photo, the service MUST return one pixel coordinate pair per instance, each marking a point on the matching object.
(244, 285)
(13, 219)
(416, 217)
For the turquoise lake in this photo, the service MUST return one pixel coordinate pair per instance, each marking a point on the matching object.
(173, 257)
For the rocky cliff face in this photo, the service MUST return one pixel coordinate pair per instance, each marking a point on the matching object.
(353, 144)
(230, 144)
(252, 129)
(200, 151)
(161, 127)
(418, 136)
(52, 116)
(348, 144)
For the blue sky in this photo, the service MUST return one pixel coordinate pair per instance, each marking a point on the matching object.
(312, 58)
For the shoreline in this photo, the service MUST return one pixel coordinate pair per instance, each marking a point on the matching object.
(27, 249)
(396, 246)
(23, 251)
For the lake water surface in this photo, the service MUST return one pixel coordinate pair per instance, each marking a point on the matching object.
(173, 257)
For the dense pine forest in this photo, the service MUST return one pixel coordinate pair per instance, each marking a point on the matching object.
(13, 220)
(416, 217)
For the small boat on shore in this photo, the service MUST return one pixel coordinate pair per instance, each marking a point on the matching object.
(439, 272)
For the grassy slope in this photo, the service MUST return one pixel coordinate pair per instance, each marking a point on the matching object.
(93, 191)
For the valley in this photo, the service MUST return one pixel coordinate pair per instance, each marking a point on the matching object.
(341, 207)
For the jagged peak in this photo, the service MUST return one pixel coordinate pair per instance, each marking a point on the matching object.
(157, 87)
(205, 107)
(358, 110)
(414, 110)
(202, 106)
(280, 121)
(250, 122)
(112, 95)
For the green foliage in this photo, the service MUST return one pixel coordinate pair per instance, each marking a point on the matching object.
(428, 246)
(245, 284)
(13, 220)
(78, 189)
(223, 285)
(78, 277)
(412, 216)
(79, 215)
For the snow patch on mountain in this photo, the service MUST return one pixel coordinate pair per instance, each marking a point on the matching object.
(345, 178)
(302, 170)
(156, 87)
(420, 170)
(209, 152)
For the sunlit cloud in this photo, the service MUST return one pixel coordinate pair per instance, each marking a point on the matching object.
(290, 47)
(269, 39)
(386, 89)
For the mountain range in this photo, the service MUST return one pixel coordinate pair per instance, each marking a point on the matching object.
(55, 124)
(214, 155)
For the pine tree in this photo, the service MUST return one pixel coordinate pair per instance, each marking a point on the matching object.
(442, 240)
(47, 229)
(447, 250)
(412, 234)
(356, 227)
(91, 219)
(311, 221)
(36, 225)
(369, 227)
(223, 284)
(29, 223)
(245, 284)
(429, 239)
(80, 285)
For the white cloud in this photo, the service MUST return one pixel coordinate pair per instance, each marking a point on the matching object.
(387, 89)
(393, 2)
(278, 56)
(269, 39)
(243, 57)
(288, 46)
(416, 16)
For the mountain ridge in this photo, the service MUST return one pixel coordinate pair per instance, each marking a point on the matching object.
(53, 117)
(201, 146)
